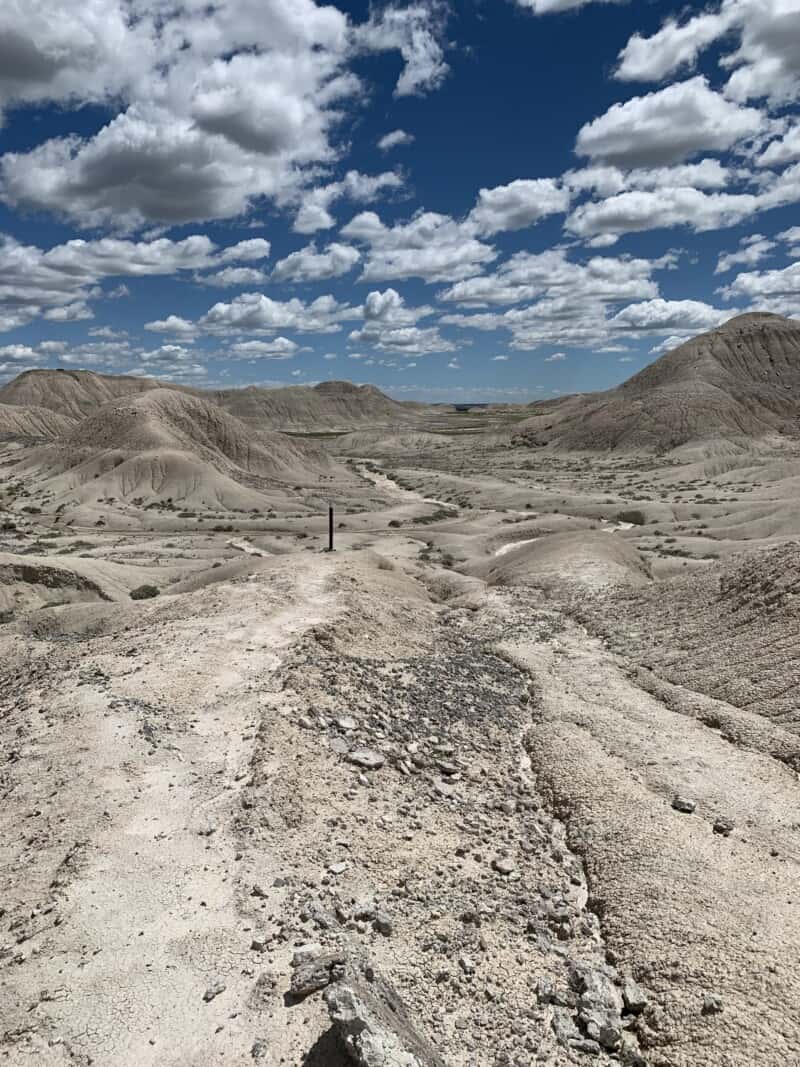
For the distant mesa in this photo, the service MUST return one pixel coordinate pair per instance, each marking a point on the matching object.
(741, 380)
(328, 406)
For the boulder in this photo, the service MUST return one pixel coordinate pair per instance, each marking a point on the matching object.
(373, 1024)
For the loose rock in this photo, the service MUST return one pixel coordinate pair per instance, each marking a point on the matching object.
(317, 974)
(634, 996)
(214, 991)
(712, 1005)
(374, 1026)
(367, 758)
(503, 865)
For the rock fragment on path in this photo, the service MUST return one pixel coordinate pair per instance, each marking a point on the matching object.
(374, 1026)
(600, 1005)
(712, 1004)
(317, 973)
(383, 923)
(503, 865)
(306, 953)
(634, 996)
(367, 758)
(213, 991)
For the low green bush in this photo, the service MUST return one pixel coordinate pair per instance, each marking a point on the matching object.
(144, 592)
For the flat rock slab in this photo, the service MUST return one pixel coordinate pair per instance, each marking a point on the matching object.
(373, 1024)
(367, 758)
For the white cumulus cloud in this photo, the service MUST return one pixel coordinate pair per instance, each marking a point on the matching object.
(309, 265)
(519, 204)
(668, 126)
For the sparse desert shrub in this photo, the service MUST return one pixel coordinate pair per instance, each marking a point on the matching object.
(437, 516)
(632, 515)
(384, 564)
(144, 592)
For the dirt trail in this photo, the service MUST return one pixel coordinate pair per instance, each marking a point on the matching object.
(143, 766)
(383, 481)
(694, 914)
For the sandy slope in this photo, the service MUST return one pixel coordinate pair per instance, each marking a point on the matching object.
(588, 557)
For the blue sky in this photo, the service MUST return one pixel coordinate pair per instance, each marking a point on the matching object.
(498, 200)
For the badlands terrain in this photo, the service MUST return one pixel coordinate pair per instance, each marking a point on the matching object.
(508, 778)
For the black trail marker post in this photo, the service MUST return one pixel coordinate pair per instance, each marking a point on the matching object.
(330, 529)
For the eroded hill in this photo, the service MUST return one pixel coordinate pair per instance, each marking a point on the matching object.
(330, 405)
(162, 444)
(741, 380)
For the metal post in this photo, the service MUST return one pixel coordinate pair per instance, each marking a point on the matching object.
(330, 529)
